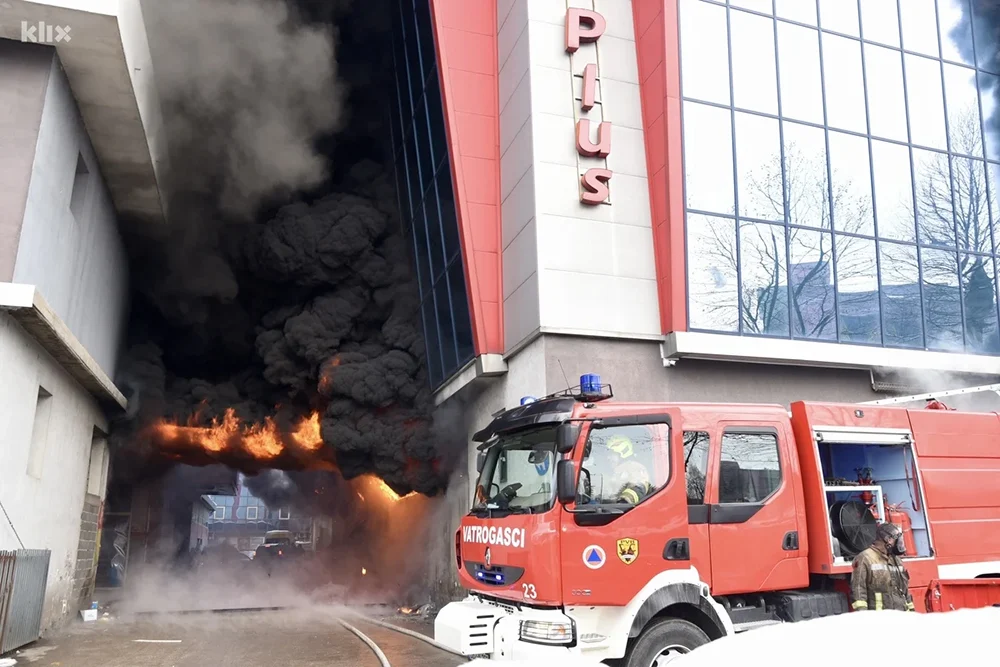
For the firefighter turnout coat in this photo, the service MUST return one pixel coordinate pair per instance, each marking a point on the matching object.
(880, 582)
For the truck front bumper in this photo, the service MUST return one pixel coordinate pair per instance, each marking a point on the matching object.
(474, 627)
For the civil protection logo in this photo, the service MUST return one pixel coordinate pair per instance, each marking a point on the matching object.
(594, 557)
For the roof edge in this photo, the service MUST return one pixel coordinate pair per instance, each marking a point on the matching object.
(29, 309)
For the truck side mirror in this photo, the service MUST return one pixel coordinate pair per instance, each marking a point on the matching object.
(480, 461)
(565, 481)
(566, 436)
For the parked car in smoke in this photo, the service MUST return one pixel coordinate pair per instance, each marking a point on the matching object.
(278, 545)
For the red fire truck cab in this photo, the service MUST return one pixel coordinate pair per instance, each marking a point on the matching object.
(643, 530)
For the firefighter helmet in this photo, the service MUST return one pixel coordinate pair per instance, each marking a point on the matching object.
(621, 446)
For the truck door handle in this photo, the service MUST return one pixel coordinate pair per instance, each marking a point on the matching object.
(677, 549)
(791, 541)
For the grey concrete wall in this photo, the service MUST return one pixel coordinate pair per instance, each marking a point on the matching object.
(24, 74)
(77, 260)
(636, 373)
(45, 508)
(473, 408)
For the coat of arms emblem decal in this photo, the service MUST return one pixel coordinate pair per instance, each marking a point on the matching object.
(628, 550)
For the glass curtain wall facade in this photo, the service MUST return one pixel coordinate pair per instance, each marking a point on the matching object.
(426, 196)
(841, 170)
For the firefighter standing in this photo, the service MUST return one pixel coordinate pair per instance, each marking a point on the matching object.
(879, 580)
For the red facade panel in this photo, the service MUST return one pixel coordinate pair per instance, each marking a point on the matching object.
(656, 30)
(465, 35)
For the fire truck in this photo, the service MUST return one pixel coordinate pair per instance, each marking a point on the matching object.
(631, 533)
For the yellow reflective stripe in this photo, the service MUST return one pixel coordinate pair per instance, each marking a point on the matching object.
(860, 604)
(878, 602)
(910, 607)
(631, 496)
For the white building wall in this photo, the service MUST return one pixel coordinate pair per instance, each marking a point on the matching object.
(569, 267)
(78, 263)
(44, 508)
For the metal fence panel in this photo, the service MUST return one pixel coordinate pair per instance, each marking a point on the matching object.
(6, 586)
(21, 600)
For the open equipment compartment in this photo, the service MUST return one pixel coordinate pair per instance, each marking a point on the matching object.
(876, 476)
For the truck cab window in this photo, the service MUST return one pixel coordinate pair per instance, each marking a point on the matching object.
(695, 465)
(749, 470)
(624, 465)
(517, 472)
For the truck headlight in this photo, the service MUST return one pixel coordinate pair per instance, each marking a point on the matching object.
(556, 633)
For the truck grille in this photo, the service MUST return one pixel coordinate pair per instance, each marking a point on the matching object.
(508, 608)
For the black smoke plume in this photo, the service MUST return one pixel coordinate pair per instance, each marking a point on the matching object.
(281, 285)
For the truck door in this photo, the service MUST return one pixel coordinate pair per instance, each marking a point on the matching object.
(753, 519)
(618, 536)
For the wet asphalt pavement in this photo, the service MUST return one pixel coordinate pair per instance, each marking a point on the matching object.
(289, 637)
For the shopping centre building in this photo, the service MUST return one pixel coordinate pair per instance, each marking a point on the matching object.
(752, 201)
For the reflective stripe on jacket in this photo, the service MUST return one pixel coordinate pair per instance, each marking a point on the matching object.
(633, 494)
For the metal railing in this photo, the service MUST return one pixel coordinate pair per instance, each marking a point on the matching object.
(23, 574)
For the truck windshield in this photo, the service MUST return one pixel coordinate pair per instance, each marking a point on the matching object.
(518, 473)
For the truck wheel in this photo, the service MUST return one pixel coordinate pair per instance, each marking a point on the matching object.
(663, 641)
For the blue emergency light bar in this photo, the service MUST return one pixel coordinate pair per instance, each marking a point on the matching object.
(590, 383)
(591, 388)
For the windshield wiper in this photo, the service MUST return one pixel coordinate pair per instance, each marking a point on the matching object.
(486, 510)
(492, 509)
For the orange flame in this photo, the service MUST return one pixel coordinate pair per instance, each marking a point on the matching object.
(229, 442)
(326, 375)
(262, 442)
(307, 435)
(387, 491)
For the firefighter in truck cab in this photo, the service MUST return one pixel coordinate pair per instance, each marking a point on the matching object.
(879, 580)
(629, 482)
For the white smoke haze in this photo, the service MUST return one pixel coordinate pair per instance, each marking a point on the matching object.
(914, 382)
(246, 88)
(371, 547)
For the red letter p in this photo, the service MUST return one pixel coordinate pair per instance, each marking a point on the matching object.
(583, 25)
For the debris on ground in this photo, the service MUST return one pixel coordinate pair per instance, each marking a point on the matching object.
(426, 610)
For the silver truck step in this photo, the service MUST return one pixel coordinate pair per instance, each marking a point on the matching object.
(753, 625)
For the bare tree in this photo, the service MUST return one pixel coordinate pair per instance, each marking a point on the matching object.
(769, 301)
(788, 282)
(952, 213)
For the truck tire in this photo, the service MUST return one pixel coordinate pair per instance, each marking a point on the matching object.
(664, 640)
